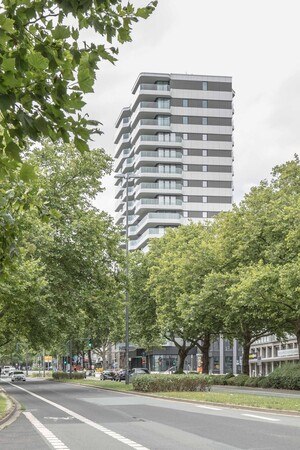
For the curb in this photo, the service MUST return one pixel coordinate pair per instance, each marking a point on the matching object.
(13, 412)
(193, 402)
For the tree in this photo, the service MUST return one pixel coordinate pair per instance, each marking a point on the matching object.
(47, 67)
(258, 245)
(186, 314)
(74, 254)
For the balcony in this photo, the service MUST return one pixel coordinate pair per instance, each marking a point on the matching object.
(154, 87)
(156, 138)
(155, 122)
(143, 240)
(172, 171)
(154, 105)
(157, 219)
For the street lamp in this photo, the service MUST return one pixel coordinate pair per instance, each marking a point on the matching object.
(127, 177)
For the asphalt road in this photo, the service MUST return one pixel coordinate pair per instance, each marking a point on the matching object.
(66, 416)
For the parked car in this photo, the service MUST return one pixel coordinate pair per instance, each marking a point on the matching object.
(108, 375)
(121, 375)
(18, 375)
(7, 370)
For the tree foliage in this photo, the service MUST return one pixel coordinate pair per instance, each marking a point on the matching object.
(46, 66)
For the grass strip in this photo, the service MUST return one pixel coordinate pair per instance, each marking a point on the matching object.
(4, 405)
(226, 399)
(106, 384)
(256, 401)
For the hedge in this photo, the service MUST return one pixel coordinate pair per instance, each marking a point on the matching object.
(221, 379)
(239, 380)
(164, 383)
(285, 377)
(66, 375)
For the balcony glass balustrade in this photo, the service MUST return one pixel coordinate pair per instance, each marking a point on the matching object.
(154, 87)
(157, 123)
(160, 170)
(155, 105)
(153, 154)
(168, 138)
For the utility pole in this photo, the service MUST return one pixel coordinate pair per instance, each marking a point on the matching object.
(71, 350)
(44, 365)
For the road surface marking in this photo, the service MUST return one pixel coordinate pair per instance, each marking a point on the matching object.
(58, 418)
(261, 417)
(209, 407)
(89, 422)
(48, 435)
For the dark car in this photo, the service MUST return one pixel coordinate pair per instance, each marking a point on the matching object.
(108, 375)
(121, 375)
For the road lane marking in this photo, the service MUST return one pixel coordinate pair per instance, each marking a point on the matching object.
(209, 407)
(48, 435)
(261, 417)
(89, 422)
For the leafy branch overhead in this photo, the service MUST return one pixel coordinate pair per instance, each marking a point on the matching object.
(46, 66)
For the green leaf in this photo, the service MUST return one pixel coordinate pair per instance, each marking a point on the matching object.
(61, 32)
(13, 150)
(38, 61)
(41, 125)
(6, 24)
(27, 172)
(85, 79)
(8, 64)
(81, 145)
(6, 101)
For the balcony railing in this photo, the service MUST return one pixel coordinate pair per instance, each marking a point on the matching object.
(169, 138)
(154, 87)
(161, 215)
(160, 170)
(157, 123)
(155, 105)
(157, 186)
(152, 154)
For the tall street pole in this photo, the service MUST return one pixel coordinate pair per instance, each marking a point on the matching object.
(127, 291)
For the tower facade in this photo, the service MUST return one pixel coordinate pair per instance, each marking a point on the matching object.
(175, 145)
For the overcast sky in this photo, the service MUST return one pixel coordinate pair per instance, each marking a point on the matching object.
(255, 42)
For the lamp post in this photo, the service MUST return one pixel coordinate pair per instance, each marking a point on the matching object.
(127, 177)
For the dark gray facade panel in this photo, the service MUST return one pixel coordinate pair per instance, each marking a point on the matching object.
(212, 214)
(195, 214)
(215, 168)
(219, 137)
(197, 85)
(210, 199)
(197, 120)
(219, 184)
(210, 168)
(210, 184)
(210, 137)
(214, 153)
(196, 103)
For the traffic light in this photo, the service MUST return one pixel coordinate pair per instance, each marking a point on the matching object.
(90, 343)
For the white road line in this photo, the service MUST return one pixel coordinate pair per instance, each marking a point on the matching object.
(209, 407)
(48, 435)
(89, 422)
(261, 417)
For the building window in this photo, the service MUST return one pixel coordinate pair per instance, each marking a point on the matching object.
(204, 199)
(185, 151)
(185, 120)
(204, 168)
(204, 137)
(185, 167)
(185, 136)
(204, 183)
(204, 85)
(185, 183)
(204, 104)
(204, 152)
(185, 198)
(204, 120)
(185, 103)
(204, 214)
(185, 214)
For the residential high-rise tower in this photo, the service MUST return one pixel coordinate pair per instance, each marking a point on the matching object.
(176, 139)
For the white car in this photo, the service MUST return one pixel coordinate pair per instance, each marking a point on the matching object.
(18, 375)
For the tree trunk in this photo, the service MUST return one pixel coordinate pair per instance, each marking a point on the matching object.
(90, 358)
(205, 353)
(182, 353)
(298, 342)
(245, 363)
(83, 365)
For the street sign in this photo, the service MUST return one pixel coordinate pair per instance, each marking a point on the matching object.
(48, 358)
